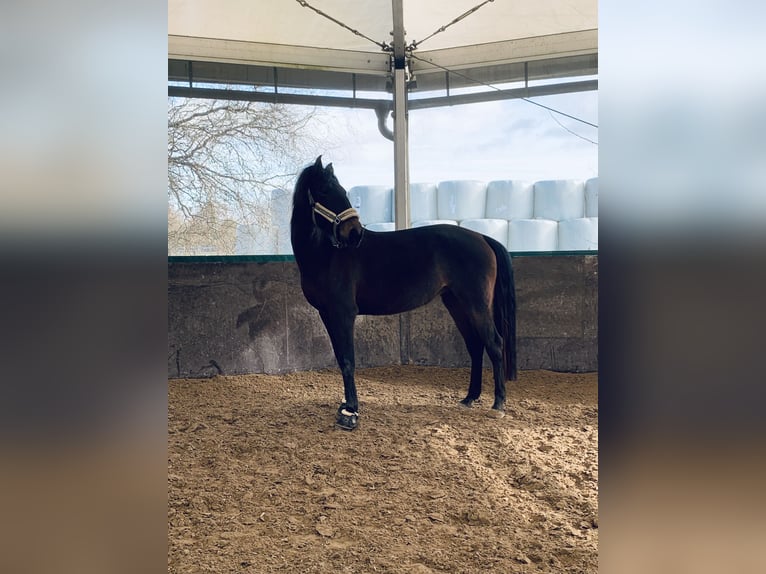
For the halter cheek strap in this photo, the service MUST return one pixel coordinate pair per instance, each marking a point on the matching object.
(335, 218)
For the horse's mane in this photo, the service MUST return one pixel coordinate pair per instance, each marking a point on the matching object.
(300, 195)
(301, 210)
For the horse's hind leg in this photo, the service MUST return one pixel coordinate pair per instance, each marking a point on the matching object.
(473, 343)
(340, 327)
(493, 342)
(478, 329)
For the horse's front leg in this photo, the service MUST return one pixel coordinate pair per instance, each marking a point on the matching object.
(340, 327)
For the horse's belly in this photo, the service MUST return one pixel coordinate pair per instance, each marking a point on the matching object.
(393, 301)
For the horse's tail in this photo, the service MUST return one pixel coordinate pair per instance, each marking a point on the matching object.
(504, 307)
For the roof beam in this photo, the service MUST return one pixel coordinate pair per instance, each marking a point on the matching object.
(238, 52)
(493, 95)
(275, 97)
(507, 52)
(374, 104)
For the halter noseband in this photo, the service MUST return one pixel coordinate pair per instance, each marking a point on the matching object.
(335, 218)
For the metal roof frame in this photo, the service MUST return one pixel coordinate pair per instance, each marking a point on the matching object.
(214, 54)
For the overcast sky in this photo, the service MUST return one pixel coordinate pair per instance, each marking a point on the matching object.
(510, 139)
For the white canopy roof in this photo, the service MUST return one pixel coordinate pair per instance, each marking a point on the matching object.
(289, 34)
(397, 46)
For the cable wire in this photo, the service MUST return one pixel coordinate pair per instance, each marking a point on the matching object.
(415, 44)
(550, 109)
(570, 131)
(382, 45)
(559, 112)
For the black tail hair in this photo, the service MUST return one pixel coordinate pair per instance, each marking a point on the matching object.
(504, 307)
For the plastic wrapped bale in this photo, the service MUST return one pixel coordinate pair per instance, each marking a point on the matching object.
(591, 197)
(382, 226)
(578, 234)
(373, 202)
(559, 199)
(533, 235)
(425, 222)
(256, 240)
(461, 199)
(494, 228)
(423, 201)
(281, 210)
(510, 199)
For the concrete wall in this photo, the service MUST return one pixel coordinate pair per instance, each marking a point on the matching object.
(251, 317)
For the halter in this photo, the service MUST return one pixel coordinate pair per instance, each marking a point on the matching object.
(335, 218)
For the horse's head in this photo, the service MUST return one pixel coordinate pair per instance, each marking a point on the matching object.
(331, 209)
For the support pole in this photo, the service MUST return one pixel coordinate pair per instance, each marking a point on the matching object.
(401, 160)
(401, 152)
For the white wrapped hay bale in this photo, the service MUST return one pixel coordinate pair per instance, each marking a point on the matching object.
(382, 226)
(578, 234)
(559, 199)
(255, 240)
(281, 206)
(461, 199)
(510, 199)
(533, 235)
(284, 245)
(494, 228)
(423, 201)
(281, 211)
(425, 222)
(373, 202)
(591, 197)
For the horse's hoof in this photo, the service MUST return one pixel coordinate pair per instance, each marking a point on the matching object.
(496, 413)
(465, 404)
(346, 419)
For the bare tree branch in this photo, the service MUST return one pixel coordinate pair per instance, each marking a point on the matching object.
(224, 160)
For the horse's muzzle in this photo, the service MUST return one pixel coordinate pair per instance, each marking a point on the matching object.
(349, 233)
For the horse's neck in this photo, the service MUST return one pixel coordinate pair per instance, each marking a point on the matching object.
(306, 246)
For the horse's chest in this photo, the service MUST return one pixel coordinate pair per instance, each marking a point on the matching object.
(329, 291)
(312, 294)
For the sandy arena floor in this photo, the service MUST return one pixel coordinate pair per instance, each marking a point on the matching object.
(259, 480)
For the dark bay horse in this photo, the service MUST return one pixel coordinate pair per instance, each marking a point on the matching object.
(347, 270)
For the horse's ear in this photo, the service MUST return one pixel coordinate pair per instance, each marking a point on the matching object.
(318, 162)
(328, 170)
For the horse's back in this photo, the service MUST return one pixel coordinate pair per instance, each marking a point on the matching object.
(435, 246)
(402, 270)
(439, 236)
